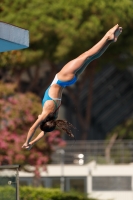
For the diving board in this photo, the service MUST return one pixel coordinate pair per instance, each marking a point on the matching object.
(13, 37)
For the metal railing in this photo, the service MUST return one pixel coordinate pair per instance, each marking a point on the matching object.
(11, 182)
(82, 152)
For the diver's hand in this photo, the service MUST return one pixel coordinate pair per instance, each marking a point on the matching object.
(29, 146)
(25, 145)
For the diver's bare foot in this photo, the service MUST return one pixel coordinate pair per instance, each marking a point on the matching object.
(114, 33)
(117, 33)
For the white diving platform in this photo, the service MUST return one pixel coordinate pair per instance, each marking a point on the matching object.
(13, 37)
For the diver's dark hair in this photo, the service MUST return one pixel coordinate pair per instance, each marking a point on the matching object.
(50, 123)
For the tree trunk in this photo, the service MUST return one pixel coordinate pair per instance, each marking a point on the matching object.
(18, 75)
(109, 147)
(34, 79)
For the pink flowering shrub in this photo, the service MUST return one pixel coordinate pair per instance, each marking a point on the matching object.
(17, 113)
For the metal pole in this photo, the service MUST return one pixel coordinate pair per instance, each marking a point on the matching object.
(17, 185)
(62, 180)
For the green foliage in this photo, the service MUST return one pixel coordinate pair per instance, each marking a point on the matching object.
(124, 130)
(121, 153)
(61, 30)
(98, 159)
(30, 193)
(7, 192)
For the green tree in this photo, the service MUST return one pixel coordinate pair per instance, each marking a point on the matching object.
(60, 31)
(123, 131)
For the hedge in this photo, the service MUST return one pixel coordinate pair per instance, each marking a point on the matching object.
(39, 193)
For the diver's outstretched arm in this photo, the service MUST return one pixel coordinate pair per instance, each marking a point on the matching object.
(31, 144)
(34, 127)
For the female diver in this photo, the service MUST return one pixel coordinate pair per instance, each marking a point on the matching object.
(66, 76)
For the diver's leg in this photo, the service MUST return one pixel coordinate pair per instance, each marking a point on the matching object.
(77, 65)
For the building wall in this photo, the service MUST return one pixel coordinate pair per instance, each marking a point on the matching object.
(104, 182)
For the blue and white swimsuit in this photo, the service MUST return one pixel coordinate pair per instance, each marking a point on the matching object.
(60, 83)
